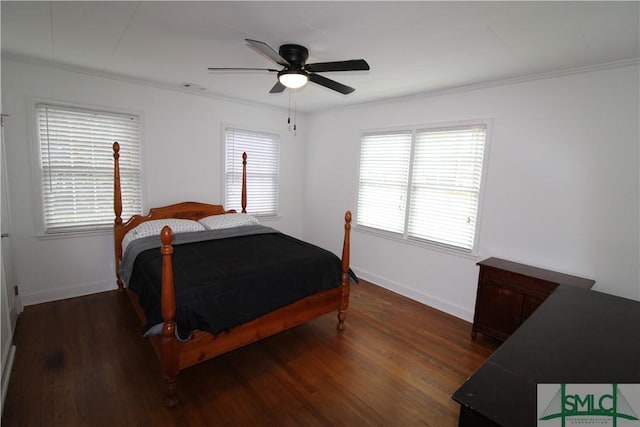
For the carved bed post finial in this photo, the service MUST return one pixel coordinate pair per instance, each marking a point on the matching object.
(244, 182)
(168, 309)
(344, 286)
(117, 208)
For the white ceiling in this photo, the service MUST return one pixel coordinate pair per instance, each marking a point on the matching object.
(412, 47)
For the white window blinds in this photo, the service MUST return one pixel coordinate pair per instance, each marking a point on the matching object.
(423, 183)
(445, 185)
(263, 171)
(76, 163)
(384, 174)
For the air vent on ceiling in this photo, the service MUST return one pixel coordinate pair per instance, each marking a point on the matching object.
(192, 86)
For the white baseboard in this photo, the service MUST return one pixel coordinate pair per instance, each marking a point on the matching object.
(7, 366)
(437, 303)
(64, 293)
(92, 288)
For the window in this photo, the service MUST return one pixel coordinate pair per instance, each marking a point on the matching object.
(76, 165)
(423, 184)
(384, 176)
(263, 166)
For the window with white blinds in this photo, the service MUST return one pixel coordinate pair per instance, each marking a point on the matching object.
(384, 176)
(263, 171)
(423, 183)
(76, 165)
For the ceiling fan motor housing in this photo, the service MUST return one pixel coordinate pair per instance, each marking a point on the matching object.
(297, 72)
(294, 54)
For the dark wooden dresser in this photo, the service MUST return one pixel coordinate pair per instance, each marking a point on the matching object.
(509, 292)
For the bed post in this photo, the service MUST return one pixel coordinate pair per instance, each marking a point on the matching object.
(117, 208)
(344, 286)
(244, 182)
(168, 301)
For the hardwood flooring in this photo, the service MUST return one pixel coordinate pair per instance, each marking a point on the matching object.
(82, 362)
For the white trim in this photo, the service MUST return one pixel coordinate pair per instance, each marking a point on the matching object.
(414, 241)
(102, 231)
(69, 292)
(223, 155)
(7, 367)
(277, 138)
(426, 299)
(19, 306)
(34, 153)
(135, 80)
(404, 237)
(486, 85)
(424, 94)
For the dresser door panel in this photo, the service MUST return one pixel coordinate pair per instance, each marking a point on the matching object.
(499, 310)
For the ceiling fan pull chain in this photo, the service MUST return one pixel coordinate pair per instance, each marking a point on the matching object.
(289, 113)
(295, 111)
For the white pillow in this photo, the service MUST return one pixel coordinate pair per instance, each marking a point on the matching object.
(151, 228)
(217, 222)
(154, 227)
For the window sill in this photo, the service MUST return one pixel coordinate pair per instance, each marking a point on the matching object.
(425, 244)
(75, 234)
(268, 218)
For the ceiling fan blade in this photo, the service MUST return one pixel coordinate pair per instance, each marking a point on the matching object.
(278, 88)
(265, 49)
(351, 65)
(240, 69)
(331, 84)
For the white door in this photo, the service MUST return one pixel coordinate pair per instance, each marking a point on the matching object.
(8, 302)
(7, 271)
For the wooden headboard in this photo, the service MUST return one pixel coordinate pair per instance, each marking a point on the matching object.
(184, 210)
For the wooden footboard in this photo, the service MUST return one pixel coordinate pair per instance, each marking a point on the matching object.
(202, 345)
(176, 355)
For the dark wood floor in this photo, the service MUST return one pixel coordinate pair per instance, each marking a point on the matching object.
(82, 362)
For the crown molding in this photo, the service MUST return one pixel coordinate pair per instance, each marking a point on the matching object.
(494, 83)
(420, 95)
(135, 80)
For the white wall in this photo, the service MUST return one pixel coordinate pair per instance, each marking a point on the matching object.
(562, 188)
(181, 150)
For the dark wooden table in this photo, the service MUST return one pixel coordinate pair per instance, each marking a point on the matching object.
(576, 336)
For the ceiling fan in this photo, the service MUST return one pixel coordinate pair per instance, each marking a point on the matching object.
(296, 71)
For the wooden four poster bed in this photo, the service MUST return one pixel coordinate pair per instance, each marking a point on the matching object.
(199, 345)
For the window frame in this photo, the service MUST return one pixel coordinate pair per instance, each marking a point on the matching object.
(249, 129)
(404, 236)
(42, 232)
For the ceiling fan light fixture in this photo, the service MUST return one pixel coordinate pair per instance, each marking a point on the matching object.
(296, 72)
(293, 79)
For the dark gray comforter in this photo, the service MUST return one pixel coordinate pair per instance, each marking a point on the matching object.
(224, 278)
